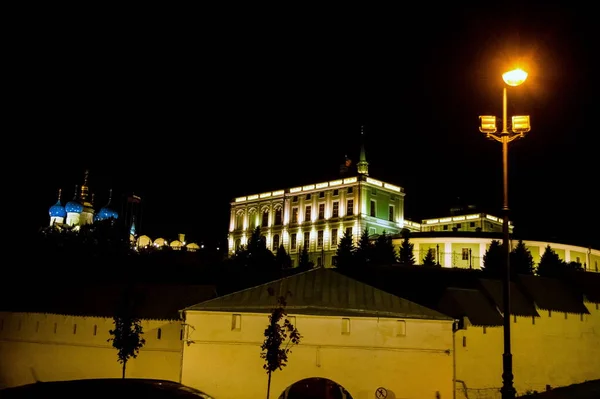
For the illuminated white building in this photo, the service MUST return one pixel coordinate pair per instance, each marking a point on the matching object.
(317, 215)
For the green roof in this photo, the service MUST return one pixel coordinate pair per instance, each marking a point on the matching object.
(461, 302)
(321, 292)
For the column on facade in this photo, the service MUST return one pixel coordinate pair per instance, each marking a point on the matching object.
(416, 253)
(567, 255)
(447, 254)
(232, 220)
(285, 217)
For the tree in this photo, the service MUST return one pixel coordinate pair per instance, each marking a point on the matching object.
(127, 335)
(280, 336)
(429, 259)
(406, 255)
(550, 264)
(384, 252)
(493, 260)
(282, 258)
(521, 260)
(574, 266)
(345, 251)
(305, 263)
(364, 249)
(255, 255)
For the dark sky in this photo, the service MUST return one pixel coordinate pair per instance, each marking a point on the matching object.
(191, 110)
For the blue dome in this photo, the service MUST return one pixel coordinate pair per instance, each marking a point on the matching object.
(106, 213)
(73, 207)
(57, 210)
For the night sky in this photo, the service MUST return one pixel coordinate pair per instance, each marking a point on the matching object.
(191, 112)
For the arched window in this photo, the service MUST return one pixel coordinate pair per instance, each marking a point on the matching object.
(275, 242)
(238, 244)
(252, 219)
(239, 220)
(265, 218)
(278, 216)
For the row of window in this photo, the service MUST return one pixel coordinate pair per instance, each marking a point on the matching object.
(236, 325)
(335, 193)
(294, 242)
(335, 213)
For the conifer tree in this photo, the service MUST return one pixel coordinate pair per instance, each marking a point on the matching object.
(521, 260)
(305, 263)
(550, 264)
(345, 251)
(406, 255)
(384, 252)
(493, 260)
(282, 258)
(364, 249)
(429, 259)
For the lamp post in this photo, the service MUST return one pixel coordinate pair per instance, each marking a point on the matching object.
(520, 125)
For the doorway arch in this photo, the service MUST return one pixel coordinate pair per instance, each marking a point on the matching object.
(315, 388)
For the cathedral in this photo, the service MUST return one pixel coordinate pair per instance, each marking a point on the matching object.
(80, 210)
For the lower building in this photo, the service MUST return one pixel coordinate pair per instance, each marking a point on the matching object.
(61, 332)
(358, 338)
(466, 249)
(395, 331)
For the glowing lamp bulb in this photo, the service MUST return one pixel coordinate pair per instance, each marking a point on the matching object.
(514, 77)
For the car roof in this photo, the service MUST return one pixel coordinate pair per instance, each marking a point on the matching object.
(105, 388)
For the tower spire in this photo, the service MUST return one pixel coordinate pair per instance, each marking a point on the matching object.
(362, 165)
(84, 187)
(109, 198)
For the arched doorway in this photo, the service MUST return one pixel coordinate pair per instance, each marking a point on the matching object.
(315, 388)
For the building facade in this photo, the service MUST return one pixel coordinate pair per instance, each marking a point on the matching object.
(358, 338)
(318, 215)
(52, 332)
(55, 347)
(394, 332)
(467, 250)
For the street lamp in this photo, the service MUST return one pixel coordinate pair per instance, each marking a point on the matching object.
(520, 125)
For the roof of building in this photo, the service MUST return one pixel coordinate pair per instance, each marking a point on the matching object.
(432, 286)
(520, 305)
(588, 284)
(464, 302)
(321, 292)
(151, 301)
(553, 294)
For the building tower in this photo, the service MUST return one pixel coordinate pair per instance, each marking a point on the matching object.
(317, 216)
(132, 214)
(362, 165)
(73, 209)
(57, 211)
(86, 200)
(107, 212)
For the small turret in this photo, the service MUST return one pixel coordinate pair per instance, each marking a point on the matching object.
(362, 165)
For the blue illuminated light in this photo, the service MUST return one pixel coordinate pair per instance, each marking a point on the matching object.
(73, 207)
(57, 210)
